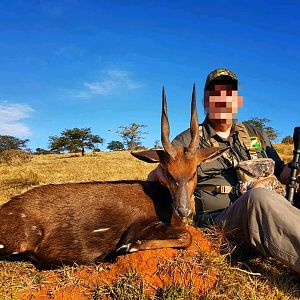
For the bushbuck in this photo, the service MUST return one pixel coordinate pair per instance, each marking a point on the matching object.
(84, 223)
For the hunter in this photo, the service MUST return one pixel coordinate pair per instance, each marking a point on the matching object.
(241, 191)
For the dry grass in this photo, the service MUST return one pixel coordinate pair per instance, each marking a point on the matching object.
(235, 281)
(285, 151)
(43, 169)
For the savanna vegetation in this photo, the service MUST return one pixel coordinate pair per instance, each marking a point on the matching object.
(223, 275)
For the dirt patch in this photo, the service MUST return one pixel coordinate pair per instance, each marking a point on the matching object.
(157, 269)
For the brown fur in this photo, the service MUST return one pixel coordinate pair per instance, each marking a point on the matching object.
(55, 223)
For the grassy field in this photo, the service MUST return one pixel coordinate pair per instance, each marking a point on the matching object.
(285, 151)
(255, 279)
(18, 175)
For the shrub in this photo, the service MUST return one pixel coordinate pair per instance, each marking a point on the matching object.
(24, 180)
(14, 156)
(287, 140)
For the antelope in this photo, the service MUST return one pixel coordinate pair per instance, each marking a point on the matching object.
(85, 223)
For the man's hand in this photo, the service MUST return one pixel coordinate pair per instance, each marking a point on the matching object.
(158, 174)
(286, 172)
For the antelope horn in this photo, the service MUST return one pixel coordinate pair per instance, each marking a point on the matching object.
(194, 126)
(165, 128)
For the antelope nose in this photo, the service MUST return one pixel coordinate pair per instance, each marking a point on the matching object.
(184, 211)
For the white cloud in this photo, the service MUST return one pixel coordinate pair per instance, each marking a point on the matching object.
(101, 88)
(111, 81)
(11, 116)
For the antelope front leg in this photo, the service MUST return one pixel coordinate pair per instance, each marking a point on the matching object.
(154, 235)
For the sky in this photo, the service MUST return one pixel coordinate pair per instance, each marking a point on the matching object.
(102, 64)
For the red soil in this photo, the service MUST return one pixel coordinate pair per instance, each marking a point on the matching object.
(158, 268)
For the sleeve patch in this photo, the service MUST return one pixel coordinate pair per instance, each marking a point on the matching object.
(255, 144)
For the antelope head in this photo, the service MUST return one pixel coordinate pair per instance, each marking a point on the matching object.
(180, 163)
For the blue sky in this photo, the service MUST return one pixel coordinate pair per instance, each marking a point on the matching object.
(102, 64)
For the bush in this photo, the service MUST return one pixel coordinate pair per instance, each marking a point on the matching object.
(42, 151)
(14, 157)
(115, 146)
(287, 140)
(24, 180)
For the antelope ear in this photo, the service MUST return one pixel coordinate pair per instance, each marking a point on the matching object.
(209, 154)
(149, 156)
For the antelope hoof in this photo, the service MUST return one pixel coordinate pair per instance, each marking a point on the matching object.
(129, 247)
(133, 250)
(124, 248)
(134, 247)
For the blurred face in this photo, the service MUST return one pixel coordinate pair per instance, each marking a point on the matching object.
(222, 103)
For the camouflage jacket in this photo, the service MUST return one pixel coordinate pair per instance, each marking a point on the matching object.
(222, 171)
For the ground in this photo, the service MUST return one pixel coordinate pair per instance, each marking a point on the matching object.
(156, 269)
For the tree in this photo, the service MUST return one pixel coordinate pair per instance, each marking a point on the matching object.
(157, 144)
(42, 151)
(8, 142)
(74, 140)
(257, 122)
(132, 135)
(287, 140)
(115, 146)
(261, 123)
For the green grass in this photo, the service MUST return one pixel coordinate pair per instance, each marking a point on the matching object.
(174, 292)
(129, 286)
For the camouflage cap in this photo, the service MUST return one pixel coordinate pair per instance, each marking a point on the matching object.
(218, 73)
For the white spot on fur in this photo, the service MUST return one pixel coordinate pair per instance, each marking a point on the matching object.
(23, 215)
(23, 247)
(16, 252)
(1, 246)
(133, 250)
(126, 247)
(11, 213)
(101, 229)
